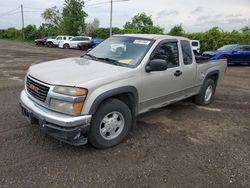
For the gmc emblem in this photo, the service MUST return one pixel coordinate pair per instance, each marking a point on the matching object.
(33, 88)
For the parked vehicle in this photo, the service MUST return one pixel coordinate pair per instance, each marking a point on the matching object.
(196, 46)
(234, 53)
(42, 41)
(73, 42)
(97, 97)
(94, 42)
(55, 42)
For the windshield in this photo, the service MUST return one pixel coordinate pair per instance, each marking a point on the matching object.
(227, 48)
(121, 50)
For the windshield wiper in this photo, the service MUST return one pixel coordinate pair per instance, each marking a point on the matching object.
(89, 55)
(112, 61)
(109, 60)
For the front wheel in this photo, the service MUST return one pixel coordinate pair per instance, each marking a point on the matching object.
(206, 94)
(110, 124)
(50, 44)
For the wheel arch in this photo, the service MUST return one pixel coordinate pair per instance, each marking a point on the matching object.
(127, 94)
(214, 75)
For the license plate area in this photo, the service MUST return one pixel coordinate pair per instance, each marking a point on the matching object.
(29, 116)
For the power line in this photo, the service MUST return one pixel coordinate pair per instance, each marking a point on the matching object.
(10, 11)
(104, 2)
(10, 14)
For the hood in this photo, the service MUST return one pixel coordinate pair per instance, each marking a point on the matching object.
(209, 52)
(74, 71)
(43, 39)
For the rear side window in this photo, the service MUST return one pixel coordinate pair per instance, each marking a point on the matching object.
(195, 44)
(187, 52)
(245, 48)
(169, 52)
(75, 39)
(85, 39)
(64, 38)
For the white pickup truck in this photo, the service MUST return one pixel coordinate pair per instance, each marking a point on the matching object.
(55, 42)
(97, 97)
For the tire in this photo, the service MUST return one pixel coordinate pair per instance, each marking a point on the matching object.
(50, 45)
(206, 94)
(103, 132)
(66, 46)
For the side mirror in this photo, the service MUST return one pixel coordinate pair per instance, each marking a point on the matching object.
(156, 65)
(234, 51)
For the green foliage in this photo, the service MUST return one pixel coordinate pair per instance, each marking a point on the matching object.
(91, 27)
(104, 32)
(177, 31)
(245, 29)
(48, 30)
(30, 32)
(216, 38)
(72, 22)
(52, 16)
(10, 33)
(142, 23)
(73, 17)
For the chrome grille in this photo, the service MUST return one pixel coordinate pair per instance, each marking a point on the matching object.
(37, 90)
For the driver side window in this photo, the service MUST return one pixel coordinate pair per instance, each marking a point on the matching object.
(169, 52)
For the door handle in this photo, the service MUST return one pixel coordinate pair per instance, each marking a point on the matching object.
(178, 73)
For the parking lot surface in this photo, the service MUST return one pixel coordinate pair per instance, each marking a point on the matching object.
(181, 145)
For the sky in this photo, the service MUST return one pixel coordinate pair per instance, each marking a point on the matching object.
(194, 15)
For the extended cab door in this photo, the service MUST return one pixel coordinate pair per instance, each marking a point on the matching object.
(58, 39)
(189, 69)
(162, 86)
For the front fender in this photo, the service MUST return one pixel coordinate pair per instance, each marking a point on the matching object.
(126, 89)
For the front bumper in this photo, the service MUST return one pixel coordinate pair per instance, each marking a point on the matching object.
(68, 129)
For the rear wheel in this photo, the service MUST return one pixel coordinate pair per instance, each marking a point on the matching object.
(110, 124)
(66, 46)
(206, 94)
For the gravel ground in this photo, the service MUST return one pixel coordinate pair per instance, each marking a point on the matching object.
(181, 145)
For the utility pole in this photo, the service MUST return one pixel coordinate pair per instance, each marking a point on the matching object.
(111, 17)
(111, 14)
(22, 21)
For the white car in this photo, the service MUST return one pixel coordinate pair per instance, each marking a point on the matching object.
(73, 42)
(196, 46)
(55, 42)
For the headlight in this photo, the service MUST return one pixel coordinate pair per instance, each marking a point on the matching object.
(72, 91)
(66, 107)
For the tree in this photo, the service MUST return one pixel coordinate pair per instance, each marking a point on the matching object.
(104, 32)
(52, 16)
(30, 32)
(91, 27)
(73, 17)
(142, 23)
(177, 31)
(245, 29)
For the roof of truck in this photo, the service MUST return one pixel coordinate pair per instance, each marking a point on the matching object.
(153, 36)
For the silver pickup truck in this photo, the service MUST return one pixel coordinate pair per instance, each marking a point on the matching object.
(97, 97)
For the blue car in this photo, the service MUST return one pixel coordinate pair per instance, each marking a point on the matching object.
(235, 53)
